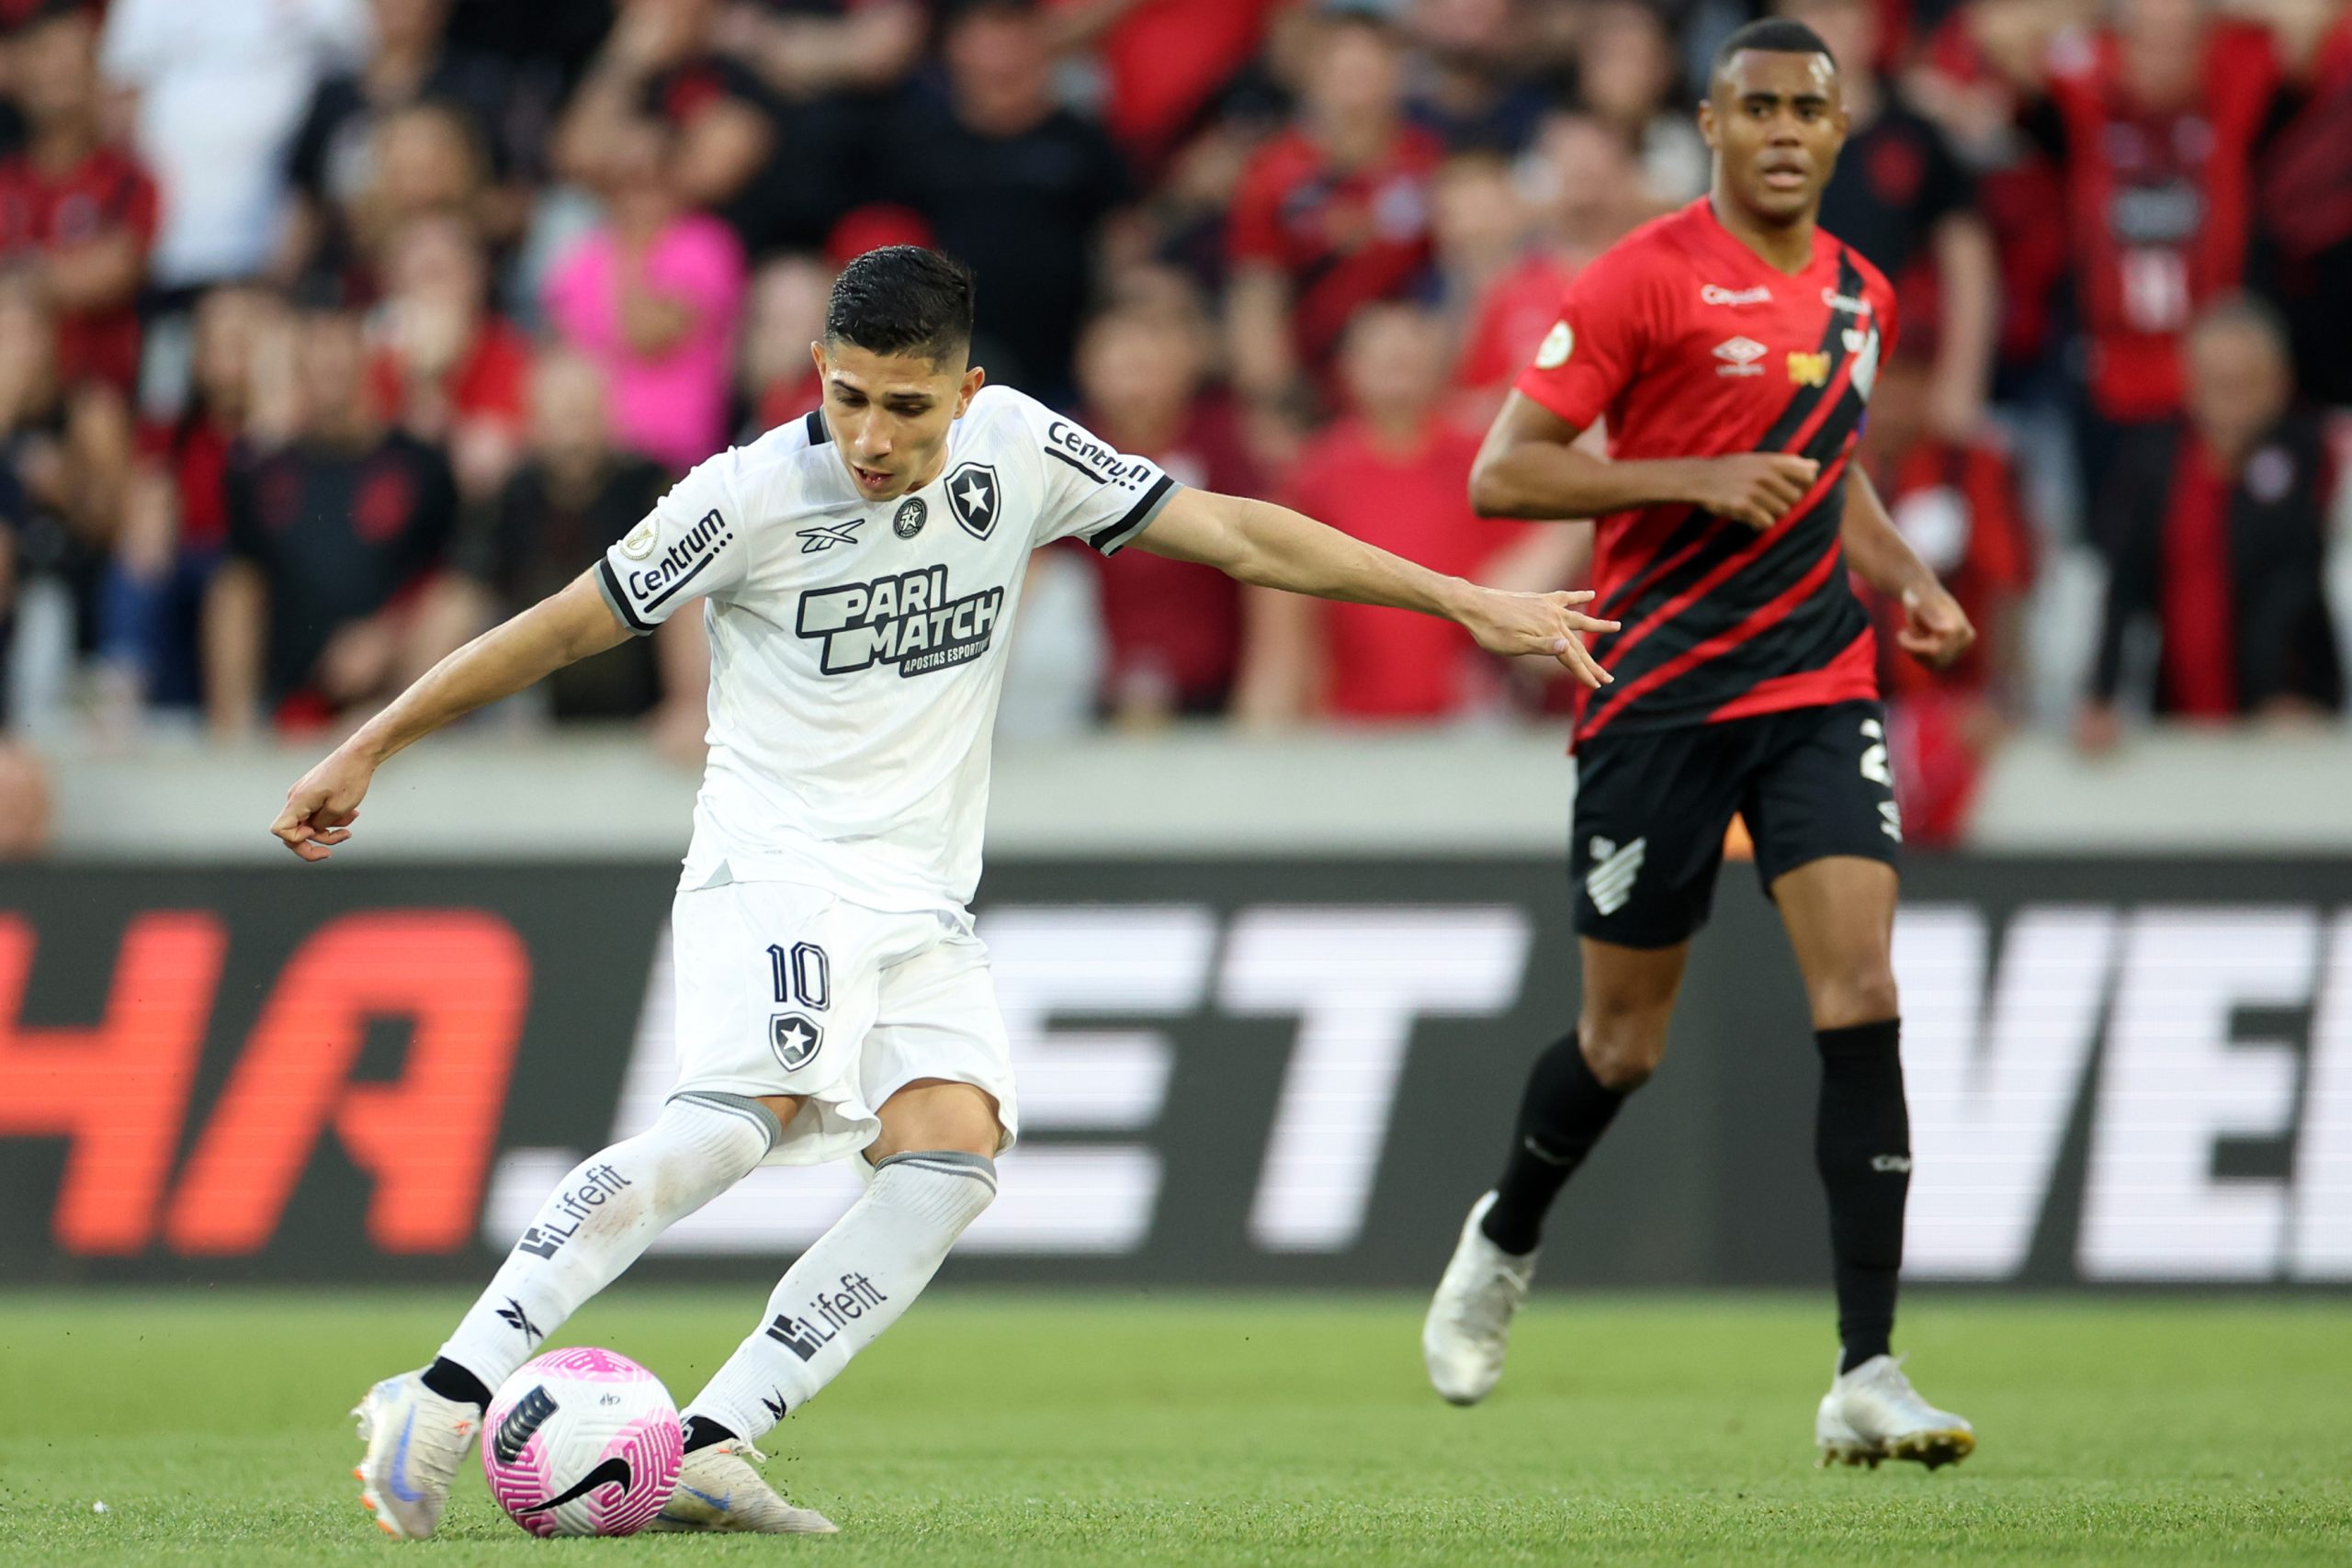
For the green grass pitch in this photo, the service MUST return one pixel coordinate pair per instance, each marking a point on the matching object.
(1132, 1429)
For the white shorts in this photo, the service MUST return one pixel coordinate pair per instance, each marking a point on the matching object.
(783, 988)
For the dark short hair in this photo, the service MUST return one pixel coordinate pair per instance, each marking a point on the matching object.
(903, 300)
(1773, 34)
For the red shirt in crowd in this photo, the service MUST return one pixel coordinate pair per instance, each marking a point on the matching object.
(1692, 346)
(1344, 237)
(106, 192)
(1382, 663)
(490, 382)
(2161, 206)
(783, 400)
(195, 453)
(2199, 590)
(1175, 626)
(1166, 59)
(1958, 507)
(1509, 321)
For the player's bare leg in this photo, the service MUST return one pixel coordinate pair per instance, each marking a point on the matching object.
(934, 1171)
(1572, 1095)
(598, 1221)
(1840, 915)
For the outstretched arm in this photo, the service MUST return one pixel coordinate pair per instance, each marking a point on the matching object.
(560, 629)
(1273, 546)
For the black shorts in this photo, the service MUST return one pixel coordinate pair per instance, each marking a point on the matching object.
(1651, 811)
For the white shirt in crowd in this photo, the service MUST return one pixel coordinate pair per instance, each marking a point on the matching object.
(223, 85)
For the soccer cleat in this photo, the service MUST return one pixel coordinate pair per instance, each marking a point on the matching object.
(415, 1441)
(1468, 1327)
(718, 1490)
(1873, 1413)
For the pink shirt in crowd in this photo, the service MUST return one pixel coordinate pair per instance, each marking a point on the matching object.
(673, 409)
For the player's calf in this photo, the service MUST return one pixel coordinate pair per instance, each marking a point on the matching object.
(852, 1285)
(603, 1215)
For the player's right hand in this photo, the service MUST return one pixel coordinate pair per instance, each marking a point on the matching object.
(322, 805)
(1753, 487)
(1513, 625)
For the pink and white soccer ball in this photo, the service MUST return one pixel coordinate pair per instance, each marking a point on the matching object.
(582, 1442)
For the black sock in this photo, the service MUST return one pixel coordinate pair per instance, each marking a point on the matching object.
(1560, 1116)
(1862, 1145)
(450, 1381)
(702, 1432)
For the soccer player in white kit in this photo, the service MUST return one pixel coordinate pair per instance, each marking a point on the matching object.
(859, 570)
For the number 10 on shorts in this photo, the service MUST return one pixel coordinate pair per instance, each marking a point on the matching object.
(803, 979)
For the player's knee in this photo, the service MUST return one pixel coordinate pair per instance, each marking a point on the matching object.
(1860, 992)
(1623, 1051)
(939, 1115)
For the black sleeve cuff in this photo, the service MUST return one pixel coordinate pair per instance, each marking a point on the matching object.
(1111, 540)
(610, 586)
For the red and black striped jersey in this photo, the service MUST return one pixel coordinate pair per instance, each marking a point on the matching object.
(1692, 346)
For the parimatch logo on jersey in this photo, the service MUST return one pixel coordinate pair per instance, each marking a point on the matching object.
(911, 620)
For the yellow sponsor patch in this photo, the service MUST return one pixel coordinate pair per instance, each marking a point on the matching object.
(1809, 369)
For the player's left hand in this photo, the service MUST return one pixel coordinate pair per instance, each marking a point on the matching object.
(1518, 624)
(322, 805)
(1935, 628)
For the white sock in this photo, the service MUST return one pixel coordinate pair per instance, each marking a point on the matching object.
(601, 1217)
(848, 1287)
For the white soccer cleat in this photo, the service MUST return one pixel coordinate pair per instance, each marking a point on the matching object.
(1873, 1413)
(415, 1441)
(719, 1491)
(1468, 1327)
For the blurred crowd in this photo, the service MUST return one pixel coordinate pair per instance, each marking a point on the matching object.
(331, 331)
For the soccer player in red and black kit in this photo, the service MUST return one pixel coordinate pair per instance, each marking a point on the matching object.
(1730, 347)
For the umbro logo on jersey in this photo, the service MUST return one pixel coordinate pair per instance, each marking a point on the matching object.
(825, 535)
(1610, 881)
(972, 495)
(911, 620)
(1715, 293)
(1739, 356)
(795, 1040)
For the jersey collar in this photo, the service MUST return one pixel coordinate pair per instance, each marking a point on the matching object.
(1727, 246)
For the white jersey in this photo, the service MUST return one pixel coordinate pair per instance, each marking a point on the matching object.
(857, 647)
